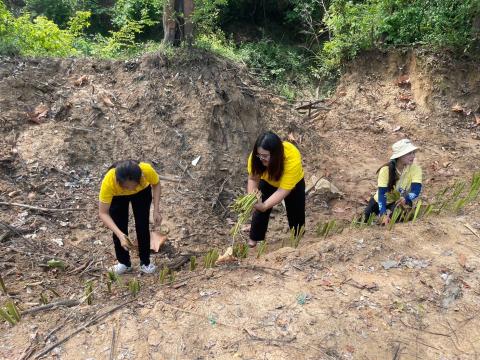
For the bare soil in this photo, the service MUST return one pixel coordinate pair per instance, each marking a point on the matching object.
(63, 122)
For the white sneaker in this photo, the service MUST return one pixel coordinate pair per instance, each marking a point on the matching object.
(120, 269)
(148, 269)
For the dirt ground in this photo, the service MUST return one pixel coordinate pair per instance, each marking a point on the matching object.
(409, 293)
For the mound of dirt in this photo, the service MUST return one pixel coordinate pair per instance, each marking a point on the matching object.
(365, 293)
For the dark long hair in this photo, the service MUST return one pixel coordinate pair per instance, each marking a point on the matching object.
(271, 142)
(392, 173)
(127, 170)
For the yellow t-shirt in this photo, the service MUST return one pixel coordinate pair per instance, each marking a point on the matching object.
(292, 168)
(110, 187)
(410, 174)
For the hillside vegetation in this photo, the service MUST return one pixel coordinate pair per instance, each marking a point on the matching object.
(297, 46)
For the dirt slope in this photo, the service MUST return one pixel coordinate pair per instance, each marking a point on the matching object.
(329, 299)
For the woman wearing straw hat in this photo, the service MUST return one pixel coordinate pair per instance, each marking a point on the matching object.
(400, 174)
(275, 168)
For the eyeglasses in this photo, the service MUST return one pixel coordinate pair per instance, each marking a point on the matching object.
(263, 157)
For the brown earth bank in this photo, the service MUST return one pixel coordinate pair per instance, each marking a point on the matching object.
(370, 293)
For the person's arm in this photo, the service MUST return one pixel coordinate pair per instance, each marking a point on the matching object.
(252, 184)
(104, 215)
(414, 193)
(382, 200)
(157, 217)
(274, 199)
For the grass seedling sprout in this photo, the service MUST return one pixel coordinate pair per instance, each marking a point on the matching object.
(417, 210)
(193, 263)
(2, 286)
(163, 274)
(89, 292)
(262, 247)
(134, 287)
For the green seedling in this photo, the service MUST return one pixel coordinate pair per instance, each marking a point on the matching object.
(89, 292)
(393, 196)
(56, 264)
(327, 228)
(417, 210)
(163, 274)
(296, 236)
(240, 251)
(172, 277)
(43, 298)
(134, 287)
(2, 286)
(10, 313)
(193, 263)
(370, 219)
(211, 258)
(428, 210)
(262, 247)
(396, 216)
(243, 207)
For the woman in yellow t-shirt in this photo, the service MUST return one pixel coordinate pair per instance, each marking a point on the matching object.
(124, 183)
(399, 174)
(275, 168)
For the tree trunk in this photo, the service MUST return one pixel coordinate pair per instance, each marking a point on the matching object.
(177, 22)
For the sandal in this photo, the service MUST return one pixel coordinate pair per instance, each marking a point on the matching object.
(251, 243)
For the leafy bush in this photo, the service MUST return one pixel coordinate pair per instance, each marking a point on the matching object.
(59, 11)
(40, 37)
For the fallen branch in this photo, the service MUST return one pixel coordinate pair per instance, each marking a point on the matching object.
(81, 328)
(167, 178)
(253, 336)
(67, 303)
(39, 208)
(471, 229)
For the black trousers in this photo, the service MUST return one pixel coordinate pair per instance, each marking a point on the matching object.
(141, 202)
(372, 208)
(294, 202)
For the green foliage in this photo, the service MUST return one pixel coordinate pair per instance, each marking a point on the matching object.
(10, 313)
(206, 15)
(357, 26)
(149, 12)
(58, 11)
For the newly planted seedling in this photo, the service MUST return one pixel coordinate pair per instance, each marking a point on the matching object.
(172, 277)
(10, 313)
(43, 298)
(417, 210)
(240, 251)
(193, 263)
(89, 292)
(163, 274)
(2, 286)
(327, 228)
(112, 277)
(134, 287)
(211, 258)
(396, 215)
(262, 247)
(296, 235)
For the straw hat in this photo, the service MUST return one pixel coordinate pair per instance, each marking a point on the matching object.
(402, 147)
